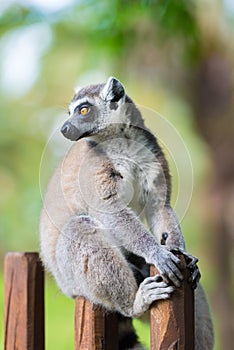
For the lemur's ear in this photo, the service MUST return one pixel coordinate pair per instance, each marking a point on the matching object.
(113, 90)
(77, 89)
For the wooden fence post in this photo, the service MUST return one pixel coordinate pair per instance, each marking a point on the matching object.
(94, 329)
(24, 302)
(172, 320)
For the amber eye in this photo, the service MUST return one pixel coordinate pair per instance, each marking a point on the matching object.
(84, 110)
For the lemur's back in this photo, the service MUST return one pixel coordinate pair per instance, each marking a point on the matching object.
(64, 196)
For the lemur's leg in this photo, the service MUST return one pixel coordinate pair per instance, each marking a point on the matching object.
(88, 265)
(140, 268)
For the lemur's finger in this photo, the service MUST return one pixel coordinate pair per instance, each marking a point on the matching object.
(194, 278)
(177, 262)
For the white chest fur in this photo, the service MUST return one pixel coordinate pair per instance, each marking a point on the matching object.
(138, 167)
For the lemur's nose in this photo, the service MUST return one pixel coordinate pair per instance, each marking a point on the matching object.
(70, 131)
(65, 129)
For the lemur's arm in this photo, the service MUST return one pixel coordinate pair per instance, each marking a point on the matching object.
(163, 222)
(127, 231)
(121, 225)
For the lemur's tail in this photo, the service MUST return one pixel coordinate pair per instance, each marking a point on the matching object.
(128, 339)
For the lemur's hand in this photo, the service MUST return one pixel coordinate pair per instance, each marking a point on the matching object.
(191, 261)
(169, 266)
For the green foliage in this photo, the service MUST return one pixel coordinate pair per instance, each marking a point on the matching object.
(59, 319)
(111, 25)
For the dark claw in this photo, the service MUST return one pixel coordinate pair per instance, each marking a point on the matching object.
(191, 261)
(158, 279)
(164, 238)
(194, 278)
(195, 273)
(192, 265)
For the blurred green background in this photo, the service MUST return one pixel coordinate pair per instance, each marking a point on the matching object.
(175, 57)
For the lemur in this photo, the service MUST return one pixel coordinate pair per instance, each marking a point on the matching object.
(93, 231)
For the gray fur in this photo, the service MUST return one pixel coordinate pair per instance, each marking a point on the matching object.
(92, 219)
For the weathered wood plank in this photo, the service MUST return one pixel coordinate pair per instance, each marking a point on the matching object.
(24, 302)
(94, 329)
(172, 320)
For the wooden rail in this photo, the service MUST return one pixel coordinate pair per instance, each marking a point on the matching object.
(94, 329)
(24, 302)
(171, 321)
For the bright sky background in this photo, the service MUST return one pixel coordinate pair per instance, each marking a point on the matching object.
(229, 4)
(22, 49)
(43, 5)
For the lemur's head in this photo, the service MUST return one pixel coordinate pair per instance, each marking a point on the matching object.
(96, 108)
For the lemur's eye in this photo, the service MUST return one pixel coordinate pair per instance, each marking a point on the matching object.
(84, 110)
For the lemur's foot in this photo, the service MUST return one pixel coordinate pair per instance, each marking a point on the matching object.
(191, 261)
(154, 288)
(150, 290)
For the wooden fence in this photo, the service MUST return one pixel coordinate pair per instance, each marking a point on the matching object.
(171, 321)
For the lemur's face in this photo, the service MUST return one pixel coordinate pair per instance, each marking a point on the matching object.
(94, 108)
